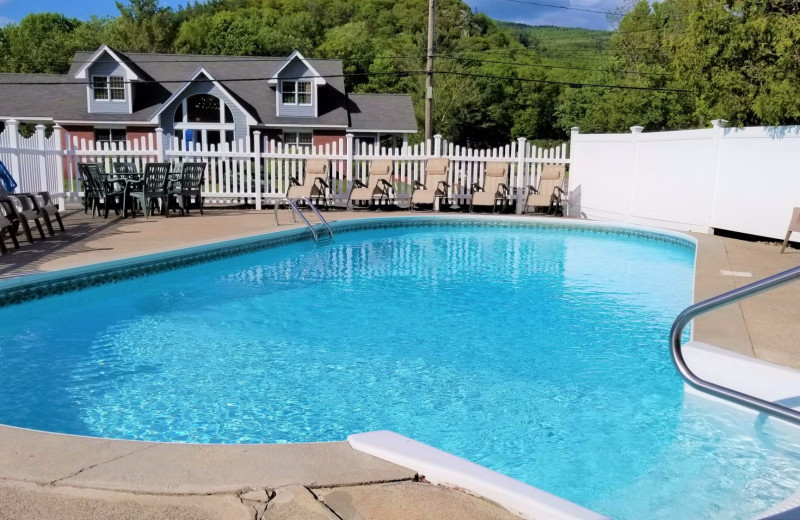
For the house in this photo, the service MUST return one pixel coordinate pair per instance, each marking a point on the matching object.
(109, 96)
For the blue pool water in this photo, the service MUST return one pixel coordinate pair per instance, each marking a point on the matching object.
(540, 353)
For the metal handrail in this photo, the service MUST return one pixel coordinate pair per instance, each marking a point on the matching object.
(697, 309)
(317, 213)
(296, 210)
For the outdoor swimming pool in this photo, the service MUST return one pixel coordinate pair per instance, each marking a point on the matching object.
(540, 352)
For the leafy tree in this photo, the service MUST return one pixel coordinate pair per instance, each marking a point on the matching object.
(41, 43)
(143, 26)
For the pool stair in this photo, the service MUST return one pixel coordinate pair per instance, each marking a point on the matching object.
(442, 468)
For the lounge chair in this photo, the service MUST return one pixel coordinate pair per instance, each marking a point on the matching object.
(494, 192)
(549, 192)
(794, 225)
(41, 202)
(149, 190)
(22, 211)
(190, 185)
(7, 225)
(380, 184)
(435, 185)
(315, 183)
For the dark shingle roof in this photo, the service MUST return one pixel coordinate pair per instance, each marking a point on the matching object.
(63, 98)
(382, 112)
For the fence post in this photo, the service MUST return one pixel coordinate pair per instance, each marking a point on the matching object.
(437, 145)
(635, 133)
(160, 144)
(349, 163)
(257, 172)
(58, 135)
(719, 126)
(520, 175)
(42, 158)
(12, 127)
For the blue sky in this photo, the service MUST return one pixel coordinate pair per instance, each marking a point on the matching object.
(510, 10)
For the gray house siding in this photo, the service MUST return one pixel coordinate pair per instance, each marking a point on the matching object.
(107, 67)
(296, 69)
(167, 117)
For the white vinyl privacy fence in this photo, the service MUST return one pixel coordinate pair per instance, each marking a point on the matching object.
(745, 180)
(258, 172)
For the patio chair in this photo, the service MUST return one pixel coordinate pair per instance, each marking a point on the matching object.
(22, 212)
(794, 225)
(380, 184)
(102, 191)
(149, 190)
(89, 195)
(128, 168)
(41, 202)
(549, 192)
(315, 183)
(189, 186)
(435, 186)
(7, 226)
(494, 191)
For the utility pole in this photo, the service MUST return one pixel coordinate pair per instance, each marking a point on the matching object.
(429, 70)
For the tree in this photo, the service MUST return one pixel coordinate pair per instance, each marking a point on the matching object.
(41, 43)
(143, 26)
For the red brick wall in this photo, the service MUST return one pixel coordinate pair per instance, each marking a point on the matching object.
(323, 137)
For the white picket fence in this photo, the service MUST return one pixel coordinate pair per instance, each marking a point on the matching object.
(259, 173)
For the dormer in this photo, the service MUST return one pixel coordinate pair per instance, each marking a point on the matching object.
(297, 87)
(109, 82)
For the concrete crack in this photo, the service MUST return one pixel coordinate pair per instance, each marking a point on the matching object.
(56, 481)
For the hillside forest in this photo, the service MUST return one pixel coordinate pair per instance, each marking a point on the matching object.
(666, 65)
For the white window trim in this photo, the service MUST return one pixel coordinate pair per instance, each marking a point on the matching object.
(297, 131)
(296, 83)
(109, 129)
(108, 89)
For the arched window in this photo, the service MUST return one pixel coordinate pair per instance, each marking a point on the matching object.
(204, 119)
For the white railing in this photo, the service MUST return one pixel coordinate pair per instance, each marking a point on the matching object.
(258, 171)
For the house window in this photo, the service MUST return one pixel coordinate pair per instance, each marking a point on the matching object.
(110, 135)
(107, 88)
(296, 92)
(298, 138)
(203, 120)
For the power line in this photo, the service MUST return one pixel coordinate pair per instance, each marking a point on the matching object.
(537, 65)
(404, 73)
(561, 7)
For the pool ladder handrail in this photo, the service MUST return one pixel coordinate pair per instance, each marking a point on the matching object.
(691, 312)
(296, 210)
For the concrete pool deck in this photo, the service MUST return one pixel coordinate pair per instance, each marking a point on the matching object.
(41, 473)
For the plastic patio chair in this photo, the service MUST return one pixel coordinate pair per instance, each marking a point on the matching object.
(103, 191)
(435, 185)
(190, 185)
(315, 183)
(549, 192)
(7, 226)
(379, 184)
(494, 191)
(150, 189)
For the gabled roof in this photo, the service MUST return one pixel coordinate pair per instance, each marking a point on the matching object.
(202, 71)
(81, 72)
(318, 79)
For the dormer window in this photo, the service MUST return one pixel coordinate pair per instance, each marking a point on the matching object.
(108, 88)
(296, 92)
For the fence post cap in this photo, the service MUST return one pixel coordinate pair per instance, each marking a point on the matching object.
(521, 139)
(40, 127)
(575, 130)
(637, 129)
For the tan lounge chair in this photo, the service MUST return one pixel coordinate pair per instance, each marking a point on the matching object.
(315, 183)
(380, 184)
(435, 186)
(794, 225)
(549, 192)
(495, 192)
